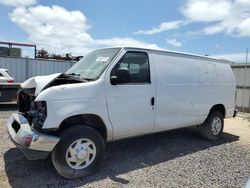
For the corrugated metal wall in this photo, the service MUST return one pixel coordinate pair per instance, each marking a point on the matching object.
(23, 68)
(242, 76)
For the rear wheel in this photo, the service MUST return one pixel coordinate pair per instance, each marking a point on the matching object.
(79, 152)
(212, 128)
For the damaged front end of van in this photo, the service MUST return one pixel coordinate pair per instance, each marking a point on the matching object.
(24, 127)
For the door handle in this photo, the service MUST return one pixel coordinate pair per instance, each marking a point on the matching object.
(152, 101)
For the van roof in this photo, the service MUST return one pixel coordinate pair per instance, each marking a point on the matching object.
(180, 54)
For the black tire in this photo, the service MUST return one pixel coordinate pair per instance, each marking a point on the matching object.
(206, 127)
(68, 137)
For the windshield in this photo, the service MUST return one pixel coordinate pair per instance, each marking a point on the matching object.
(93, 64)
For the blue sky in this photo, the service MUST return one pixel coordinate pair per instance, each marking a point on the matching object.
(215, 27)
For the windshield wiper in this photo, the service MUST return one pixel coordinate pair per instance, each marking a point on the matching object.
(79, 76)
(89, 79)
(74, 74)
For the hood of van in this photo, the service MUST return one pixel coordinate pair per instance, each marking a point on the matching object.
(40, 83)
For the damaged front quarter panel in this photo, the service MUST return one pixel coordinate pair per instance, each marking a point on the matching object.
(31, 88)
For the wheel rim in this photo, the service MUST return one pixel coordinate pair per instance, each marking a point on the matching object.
(216, 125)
(81, 153)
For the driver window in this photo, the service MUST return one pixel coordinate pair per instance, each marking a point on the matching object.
(133, 68)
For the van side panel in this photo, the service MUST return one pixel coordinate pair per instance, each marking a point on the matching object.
(187, 88)
(226, 78)
(218, 82)
(176, 92)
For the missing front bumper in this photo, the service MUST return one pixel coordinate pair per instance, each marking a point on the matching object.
(33, 144)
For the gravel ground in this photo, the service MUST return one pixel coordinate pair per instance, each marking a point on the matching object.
(179, 158)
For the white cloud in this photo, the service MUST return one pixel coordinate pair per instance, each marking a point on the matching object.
(206, 10)
(57, 29)
(213, 29)
(231, 17)
(223, 16)
(18, 3)
(164, 26)
(174, 42)
(125, 42)
(235, 57)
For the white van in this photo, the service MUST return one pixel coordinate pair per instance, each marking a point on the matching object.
(117, 93)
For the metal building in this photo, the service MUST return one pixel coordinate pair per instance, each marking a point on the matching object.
(242, 76)
(23, 68)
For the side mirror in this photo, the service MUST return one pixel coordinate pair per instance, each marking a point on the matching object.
(121, 77)
(113, 80)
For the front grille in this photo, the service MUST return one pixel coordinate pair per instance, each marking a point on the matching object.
(25, 101)
(26, 105)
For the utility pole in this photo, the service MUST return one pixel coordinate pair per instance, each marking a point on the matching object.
(247, 55)
(244, 86)
(245, 82)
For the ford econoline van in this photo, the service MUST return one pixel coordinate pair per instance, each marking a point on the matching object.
(117, 93)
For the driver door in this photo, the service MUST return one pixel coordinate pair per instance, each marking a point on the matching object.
(131, 100)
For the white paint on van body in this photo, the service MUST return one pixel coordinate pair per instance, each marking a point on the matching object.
(185, 88)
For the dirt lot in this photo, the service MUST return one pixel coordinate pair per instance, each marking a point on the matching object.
(179, 158)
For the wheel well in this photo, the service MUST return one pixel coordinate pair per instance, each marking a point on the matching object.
(90, 120)
(220, 108)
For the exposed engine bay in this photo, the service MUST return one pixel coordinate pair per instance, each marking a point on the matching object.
(36, 112)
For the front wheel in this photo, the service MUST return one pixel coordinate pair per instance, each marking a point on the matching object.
(79, 152)
(212, 128)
